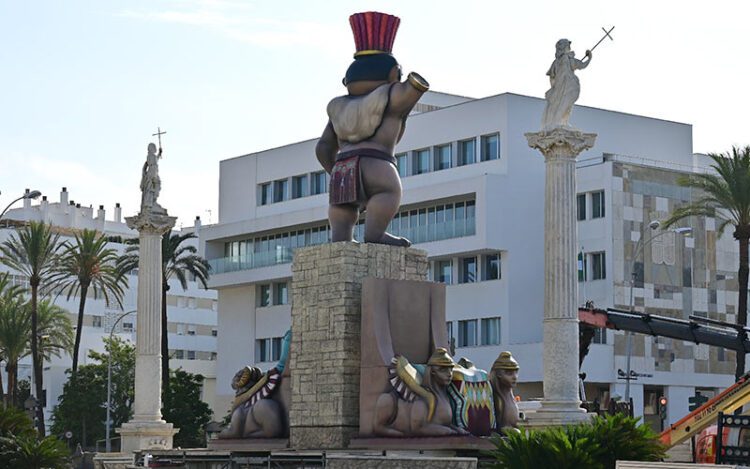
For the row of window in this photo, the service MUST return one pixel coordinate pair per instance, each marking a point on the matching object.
(440, 157)
(268, 349)
(294, 187)
(192, 355)
(593, 199)
(468, 269)
(598, 263)
(468, 332)
(273, 294)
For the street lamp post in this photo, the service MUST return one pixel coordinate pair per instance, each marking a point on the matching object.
(28, 195)
(109, 382)
(654, 225)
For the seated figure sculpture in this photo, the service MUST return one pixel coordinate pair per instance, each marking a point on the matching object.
(258, 409)
(503, 378)
(357, 145)
(419, 404)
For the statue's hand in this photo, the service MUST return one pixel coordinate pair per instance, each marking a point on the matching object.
(588, 54)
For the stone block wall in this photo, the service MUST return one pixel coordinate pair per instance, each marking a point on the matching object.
(326, 321)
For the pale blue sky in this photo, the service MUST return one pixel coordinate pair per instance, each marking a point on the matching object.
(85, 83)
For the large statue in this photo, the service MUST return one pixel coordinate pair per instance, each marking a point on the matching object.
(357, 145)
(503, 377)
(565, 87)
(150, 182)
(419, 404)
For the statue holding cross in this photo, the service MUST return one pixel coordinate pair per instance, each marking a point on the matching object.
(150, 181)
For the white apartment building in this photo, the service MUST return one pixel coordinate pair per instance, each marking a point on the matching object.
(192, 313)
(474, 200)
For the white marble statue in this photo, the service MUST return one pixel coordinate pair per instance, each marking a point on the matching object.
(150, 182)
(565, 87)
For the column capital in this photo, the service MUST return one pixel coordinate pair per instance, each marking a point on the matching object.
(561, 142)
(151, 222)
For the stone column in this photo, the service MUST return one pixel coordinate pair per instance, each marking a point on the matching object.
(560, 147)
(147, 429)
(326, 321)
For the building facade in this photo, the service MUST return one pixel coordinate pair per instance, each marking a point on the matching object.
(474, 200)
(191, 313)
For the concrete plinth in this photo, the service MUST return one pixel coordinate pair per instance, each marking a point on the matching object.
(326, 321)
(560, 147)
(147, 430)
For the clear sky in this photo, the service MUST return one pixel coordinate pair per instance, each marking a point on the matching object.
(85, 83)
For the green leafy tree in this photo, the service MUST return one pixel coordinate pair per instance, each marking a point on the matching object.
(178, 262)
(87, 264)
(33, 252)
(13, 339)
(725, 195)
(183, 407)
(81, 406)
(20, 449)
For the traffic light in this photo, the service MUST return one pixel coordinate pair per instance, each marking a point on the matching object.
(663, 408)
(696, 401)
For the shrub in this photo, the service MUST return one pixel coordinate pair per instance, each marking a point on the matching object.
(595, 445)
(20, 449)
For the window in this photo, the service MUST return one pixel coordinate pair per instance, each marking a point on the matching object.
(492, 266)
(443, 271)
(265, 193)
(280, 190)
(490, 331)
(281, 294)
(214, 332)
(276, 348)
(468, 270)
(96, 321)
(401, 163)
(442, 157)
(600, 336)
(264, 294)
(299, 186)
(598, 264)
(127, 327)
(191, 354)
(490, 147)
(191, 329)
(467, 333)
(262, 350)
(466, 152)
(449, 331)
(582, 267)
(581, 200)
(179, 354)
(318, 183)
(421, 161)
(213, 356)
(597, 204)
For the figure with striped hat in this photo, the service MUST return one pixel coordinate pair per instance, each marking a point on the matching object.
(503, 378)
(357, 145)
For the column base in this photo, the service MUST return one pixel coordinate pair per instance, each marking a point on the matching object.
(138, 435)
(556, 414)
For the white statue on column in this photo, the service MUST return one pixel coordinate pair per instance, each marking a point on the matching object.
(150, 182)
(564, 86)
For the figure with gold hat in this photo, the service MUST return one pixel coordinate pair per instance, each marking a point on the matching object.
(419, 404)
(358, 143)
(503, 378)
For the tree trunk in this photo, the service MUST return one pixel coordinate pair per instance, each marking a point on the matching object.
(12, 369)
(37, 359)
(164, 341)
(742, 234)
(79, 329)
(4, 396)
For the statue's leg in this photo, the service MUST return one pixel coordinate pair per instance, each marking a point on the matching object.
(264, 420)
(383, 187)
(342, 219)
(234, 430)
(386, 409)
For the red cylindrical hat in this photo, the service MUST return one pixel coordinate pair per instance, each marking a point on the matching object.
(374, 32)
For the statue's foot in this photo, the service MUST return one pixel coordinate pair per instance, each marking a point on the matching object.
(391, 240)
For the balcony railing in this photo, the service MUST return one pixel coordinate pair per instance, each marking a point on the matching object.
(283, 254)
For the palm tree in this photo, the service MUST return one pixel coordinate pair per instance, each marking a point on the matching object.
(33, 253)
(55, 330)
(11, 303)
(726, 196)
(87, 263)
(179, 262)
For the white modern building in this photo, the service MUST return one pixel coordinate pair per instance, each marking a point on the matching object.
(191, 313)
(473, 199)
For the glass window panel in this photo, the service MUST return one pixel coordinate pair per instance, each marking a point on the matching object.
(467, 333)
(443, 271)
(276, 349)
(490, 331)
(442, 157)
(300, 186)
(598, 264)
(468, 270)
(597, 204)
(581, 208)
(466, 152)
(492, 267)
(401, 164)
(282, 294)
(265, 193)
(318, 183)
(490, 147)
(280, 190)
(264, 295)
(421, 162)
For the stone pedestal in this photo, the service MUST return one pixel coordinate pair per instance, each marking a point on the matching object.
(560, 147)
(147, 430)
(325, 352)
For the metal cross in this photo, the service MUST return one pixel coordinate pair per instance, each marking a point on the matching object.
(159, 133)
(606, 35)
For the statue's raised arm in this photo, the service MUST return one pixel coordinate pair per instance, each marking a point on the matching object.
(564, 86)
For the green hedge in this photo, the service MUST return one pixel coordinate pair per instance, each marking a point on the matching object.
(595, 445)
